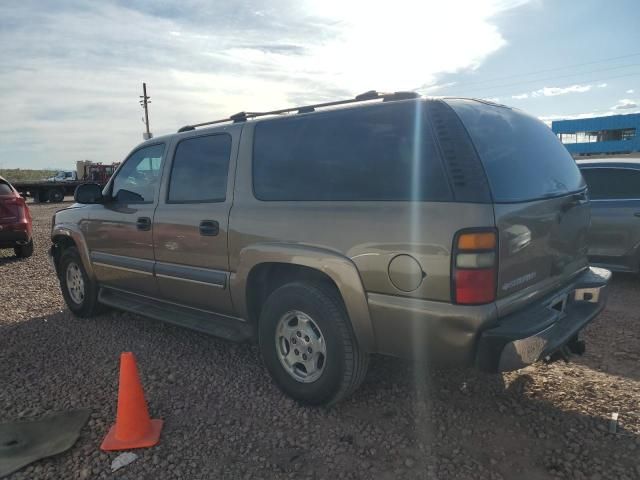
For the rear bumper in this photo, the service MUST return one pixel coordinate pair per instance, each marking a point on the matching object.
(626, 263)
(11, 238)
(440, 332)
(542, 329)
(447, 334)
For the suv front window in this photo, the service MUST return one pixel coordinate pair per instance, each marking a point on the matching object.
(138, 180)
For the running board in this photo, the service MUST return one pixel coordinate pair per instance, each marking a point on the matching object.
(229, 328)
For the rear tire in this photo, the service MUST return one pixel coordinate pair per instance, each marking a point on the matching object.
(306, 309)
(24, 251)
(79, 291)
(56, 195)
(40, 196)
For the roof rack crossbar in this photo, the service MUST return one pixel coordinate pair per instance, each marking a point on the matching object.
(363, 97)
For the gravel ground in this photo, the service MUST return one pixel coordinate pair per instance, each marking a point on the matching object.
(225, 419)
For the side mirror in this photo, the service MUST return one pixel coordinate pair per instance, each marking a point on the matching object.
(88, 193)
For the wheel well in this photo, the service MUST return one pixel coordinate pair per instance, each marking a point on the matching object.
(267, 277)
(61, 243)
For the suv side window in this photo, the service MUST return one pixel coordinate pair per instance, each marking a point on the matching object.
(378, 153)
(612, 183)
(199, 170)
(139, 178)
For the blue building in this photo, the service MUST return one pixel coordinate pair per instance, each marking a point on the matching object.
(614, 135)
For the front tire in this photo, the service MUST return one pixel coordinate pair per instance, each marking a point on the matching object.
(80, 292)
(308, 346)
(24, 251)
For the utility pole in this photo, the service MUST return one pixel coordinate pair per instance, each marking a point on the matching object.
(144, 102)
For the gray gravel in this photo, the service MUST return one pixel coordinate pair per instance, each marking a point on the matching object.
(225, 419)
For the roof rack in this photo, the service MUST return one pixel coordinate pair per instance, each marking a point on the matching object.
(363, 97)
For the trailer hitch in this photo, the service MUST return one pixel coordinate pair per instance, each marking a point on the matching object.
(577, 347)
(572, 347)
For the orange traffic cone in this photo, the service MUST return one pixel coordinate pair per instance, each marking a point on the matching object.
(133, 428)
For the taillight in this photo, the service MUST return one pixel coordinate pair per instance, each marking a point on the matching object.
(21, 207)
(474, 266)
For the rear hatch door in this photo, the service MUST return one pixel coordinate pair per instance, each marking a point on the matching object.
(540, 201)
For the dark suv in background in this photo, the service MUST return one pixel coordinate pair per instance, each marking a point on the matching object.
(448, 229)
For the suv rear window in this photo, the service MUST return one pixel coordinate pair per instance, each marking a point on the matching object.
(377, 153)
(522, 157)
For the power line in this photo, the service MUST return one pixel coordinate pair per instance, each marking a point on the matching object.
(604, 60)
(482, 89)
(591, 80)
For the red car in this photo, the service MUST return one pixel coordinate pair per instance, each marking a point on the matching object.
(15, 221)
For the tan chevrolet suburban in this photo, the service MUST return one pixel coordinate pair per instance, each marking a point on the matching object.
(451, 230)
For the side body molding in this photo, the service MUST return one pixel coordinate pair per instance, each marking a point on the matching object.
(336, 266)
(73, 232)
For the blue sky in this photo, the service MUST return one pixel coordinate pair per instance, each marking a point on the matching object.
(71, 71)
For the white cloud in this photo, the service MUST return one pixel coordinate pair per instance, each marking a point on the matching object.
(428, 90)
(594, 113)
(625, 104)
(388, 44)
(550, 118)
(71, 73)
(630, 90)
(555, 91)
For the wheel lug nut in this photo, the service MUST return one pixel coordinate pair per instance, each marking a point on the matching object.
(293, 340)
(309, 350)
(306, 338)
(304, 356)
(296, 351)
(298, 334)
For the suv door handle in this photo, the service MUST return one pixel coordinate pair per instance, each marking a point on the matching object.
(637, 214)
(143, 223)
(209, 228)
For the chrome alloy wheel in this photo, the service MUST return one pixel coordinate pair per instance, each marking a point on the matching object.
(300, 346)
(75, 283)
